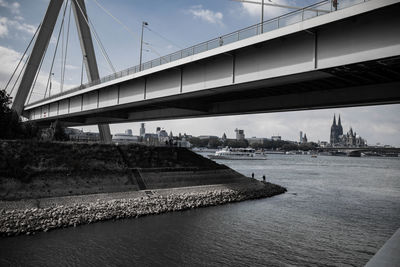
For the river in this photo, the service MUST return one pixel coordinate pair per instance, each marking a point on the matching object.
(338, 211)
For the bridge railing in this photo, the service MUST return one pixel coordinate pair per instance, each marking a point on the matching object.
(305, 13)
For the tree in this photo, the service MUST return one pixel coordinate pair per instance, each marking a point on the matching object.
(236, 143)
(5, 101)
(214, 143)
(9, 119)
(11, 126)
(59, 133)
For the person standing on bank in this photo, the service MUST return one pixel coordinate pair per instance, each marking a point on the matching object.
(335, 4)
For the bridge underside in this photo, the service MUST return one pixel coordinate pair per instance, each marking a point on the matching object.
(366, 83)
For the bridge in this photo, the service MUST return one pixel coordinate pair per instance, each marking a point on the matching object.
(357, 151)
(306, 59)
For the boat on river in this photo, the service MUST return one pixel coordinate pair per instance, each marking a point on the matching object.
(229, 153)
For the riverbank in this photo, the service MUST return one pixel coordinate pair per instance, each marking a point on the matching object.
(32, 170)
(41, 215)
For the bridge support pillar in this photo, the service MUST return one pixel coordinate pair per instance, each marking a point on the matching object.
(105, 133)
(42, 40)
(89, 56)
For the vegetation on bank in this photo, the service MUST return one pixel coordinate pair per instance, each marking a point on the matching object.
(268, 144)
(23, 159)
(12, 127)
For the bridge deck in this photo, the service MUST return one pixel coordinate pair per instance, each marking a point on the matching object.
(344, 58)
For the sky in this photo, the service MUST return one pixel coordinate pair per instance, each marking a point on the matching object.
(173, 25)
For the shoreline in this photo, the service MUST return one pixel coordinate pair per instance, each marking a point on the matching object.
(41, 215)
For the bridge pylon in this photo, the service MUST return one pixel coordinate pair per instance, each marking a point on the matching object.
(39, 48)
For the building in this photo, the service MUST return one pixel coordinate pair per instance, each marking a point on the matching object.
(276, 138)
(323, 143)
(162, 135)
(81, 136)
(336, 131)
(304, 139)
(239, 134)
(223, 138)
(151, 139)
(142, 130)
(301, 137)
(257, 140)
(350, 139)
(125, 138)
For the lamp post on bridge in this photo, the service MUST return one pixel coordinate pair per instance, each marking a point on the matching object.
(141, 45)
(262, 16)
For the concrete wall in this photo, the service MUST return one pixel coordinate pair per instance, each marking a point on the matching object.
(64, 107)
(90, 100)
(211, 73)
(364, 38)
(276, 58)
(132, 91)
(163, 84)
(53, 109)
(108, 97)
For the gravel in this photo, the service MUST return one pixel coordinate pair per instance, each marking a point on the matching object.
(28, 221)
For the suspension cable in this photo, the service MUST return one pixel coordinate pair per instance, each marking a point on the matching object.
(22, 71)
(102, 47)
(165, 38)
(134, 35)
(55, 51)
(117, 20)
(37, 73)
(95, 37)
(26, 50)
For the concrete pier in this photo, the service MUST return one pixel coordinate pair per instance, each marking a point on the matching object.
(389, 254)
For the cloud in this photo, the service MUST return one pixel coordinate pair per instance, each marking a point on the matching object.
(71, 67)
(9, 59)
(13, 7)
(6, 23)
(254, 10)
(3, 27)
(206, 15)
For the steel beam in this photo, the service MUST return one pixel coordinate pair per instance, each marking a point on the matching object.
(37, 54)
(89, 57)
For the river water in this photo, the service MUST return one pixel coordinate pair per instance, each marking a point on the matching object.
(338, 211)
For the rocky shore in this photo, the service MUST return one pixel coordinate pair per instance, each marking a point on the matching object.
(28, 221)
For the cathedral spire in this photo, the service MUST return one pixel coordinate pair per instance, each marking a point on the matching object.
(334, 119)
(339, 127)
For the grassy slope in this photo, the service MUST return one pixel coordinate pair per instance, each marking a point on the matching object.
(42, 169)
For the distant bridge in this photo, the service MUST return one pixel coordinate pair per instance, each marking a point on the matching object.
(303, 60)
(359, 150)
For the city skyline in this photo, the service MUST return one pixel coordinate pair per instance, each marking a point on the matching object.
(19, 19)
(316, 124)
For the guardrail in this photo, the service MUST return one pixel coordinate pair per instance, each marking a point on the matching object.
(305, 13)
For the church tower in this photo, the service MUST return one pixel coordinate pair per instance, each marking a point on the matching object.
(334, 129)
(339, 128)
